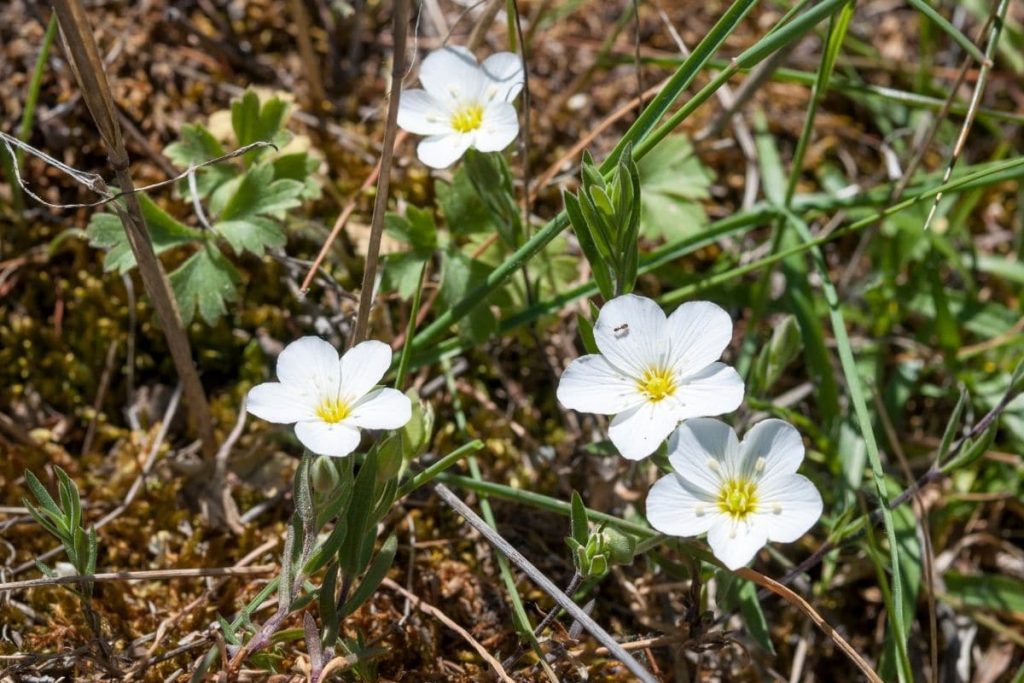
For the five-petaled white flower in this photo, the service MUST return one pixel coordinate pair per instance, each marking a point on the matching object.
(463, 104)
(742, 494)
(330, 400)
(653, 371)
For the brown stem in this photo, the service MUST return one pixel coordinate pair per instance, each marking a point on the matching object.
(819, 621)
(84, 58)
(401, 24)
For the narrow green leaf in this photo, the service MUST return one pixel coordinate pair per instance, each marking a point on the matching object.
(358, 517)
(598, 266)
(374, 576)
(41, 494)
(995, 592)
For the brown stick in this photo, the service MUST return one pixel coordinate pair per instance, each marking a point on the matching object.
(819, 621)
(422, 606)
(380, 204)
(143, 575)
(88, 68)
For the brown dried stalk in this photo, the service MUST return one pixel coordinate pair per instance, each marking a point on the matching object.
(401, 29)
(85, 61)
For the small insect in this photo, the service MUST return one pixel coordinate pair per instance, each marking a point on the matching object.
(621, 329)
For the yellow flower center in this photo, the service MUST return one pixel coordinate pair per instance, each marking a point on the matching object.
(738, 498)
(333, 410)
(656, 384)
(468, 118)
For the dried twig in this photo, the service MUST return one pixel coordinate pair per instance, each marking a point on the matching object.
(142, 575)
(427, 608)
(972, 109)
(89, 71)
(545, 584)
(819, 621)
(401, 26)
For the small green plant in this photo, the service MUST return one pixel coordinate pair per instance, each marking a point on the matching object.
(63, 521)
(247, 202)
(606, 217)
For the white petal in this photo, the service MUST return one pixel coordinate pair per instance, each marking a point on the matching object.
(778, 442)
(309, 368)
(630, 331)
(382, 409)
(498, 128)
(273, 402)
(334, 439)
(452, 76)
(715, 390)
(592, 385)
(639, 431)
(697, 441)
(421, 114)
(698, 332)
(735, 544)
(504, 71)
(362, 367)
(441, 151)
(677, 508)
(787, 507)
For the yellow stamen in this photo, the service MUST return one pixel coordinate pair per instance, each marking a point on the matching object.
(657, 384)
(333, 410)
(738, 498)
(468, 118)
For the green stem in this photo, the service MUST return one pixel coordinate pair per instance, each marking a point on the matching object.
(428, 475)
(857, 397)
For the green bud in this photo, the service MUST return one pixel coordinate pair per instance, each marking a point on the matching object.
(620, 547)
(325, 475)
(598, 566)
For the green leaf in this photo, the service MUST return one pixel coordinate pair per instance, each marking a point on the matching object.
(195, 145)
(255, 234)
(248, 218)
(783, 348)
(350, 556)
(106, 232)
(253, 122)
(374, 576)
(586, 329)
(41, 494)
(600, 269)
(461, 274)
(737, 593)
(416, 228)
(328, 606)
(673, 181)
(402, 273)
(260, 194)
(206, 282)
(464, 211)
(996, 592)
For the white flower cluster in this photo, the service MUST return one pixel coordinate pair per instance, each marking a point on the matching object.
(660, 377)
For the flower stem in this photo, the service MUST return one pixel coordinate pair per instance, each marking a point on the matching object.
(401, 24)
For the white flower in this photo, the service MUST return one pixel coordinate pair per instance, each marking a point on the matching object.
(741, 494)
(653, 371)
(330, 401)
(462, 105)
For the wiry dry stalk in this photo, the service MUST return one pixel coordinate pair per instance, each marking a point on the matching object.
(401, 26)
(87, 66)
